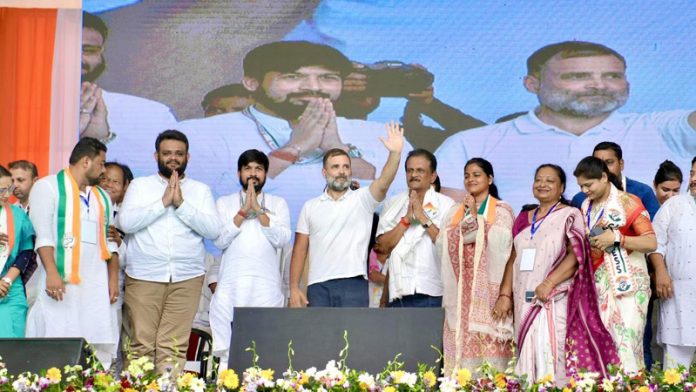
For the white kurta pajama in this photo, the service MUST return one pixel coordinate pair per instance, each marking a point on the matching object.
(675, 227)
(85, 310)
(414, 267)
(250, 269)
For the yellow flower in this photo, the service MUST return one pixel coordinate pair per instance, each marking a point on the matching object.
(53, 375)
(546, 379)
(267, 374)
(390, 389)
(429, 379)
(102, 380)
(463, 376)
(153, 386)
(304, 378)
(500, 380)
(566, 389)
(184, 381)
(129, 390)
(672, 376)
(643, 389)
(229, 379)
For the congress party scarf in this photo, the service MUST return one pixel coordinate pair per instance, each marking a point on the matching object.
(67, 251)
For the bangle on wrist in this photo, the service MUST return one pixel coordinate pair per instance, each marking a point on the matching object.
(505, 295)
(242, 214)
(7, 280)
(405, 222)
(285, 154)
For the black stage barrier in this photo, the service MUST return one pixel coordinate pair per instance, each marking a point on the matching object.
(36, 354)
(375, 337)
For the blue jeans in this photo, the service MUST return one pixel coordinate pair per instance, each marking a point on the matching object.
(416, 301)
(339, 293)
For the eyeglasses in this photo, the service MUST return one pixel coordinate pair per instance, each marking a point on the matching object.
(9, 189)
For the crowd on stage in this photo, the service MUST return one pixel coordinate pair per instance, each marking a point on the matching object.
(93, 252)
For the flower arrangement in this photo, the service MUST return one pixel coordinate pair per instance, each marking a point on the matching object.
(140, 376)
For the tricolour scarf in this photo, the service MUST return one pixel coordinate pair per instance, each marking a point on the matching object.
(618, 214)
(67, 251)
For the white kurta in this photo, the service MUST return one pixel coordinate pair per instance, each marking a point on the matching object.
(675, 227)
(85, 310)
(250, 269)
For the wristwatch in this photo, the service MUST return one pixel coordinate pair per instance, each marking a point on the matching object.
(7, 280)
(427, 224)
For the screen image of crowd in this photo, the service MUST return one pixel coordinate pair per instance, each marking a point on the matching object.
(288, 177)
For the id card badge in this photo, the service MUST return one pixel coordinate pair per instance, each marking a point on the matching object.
(88, 232)
(527, 263)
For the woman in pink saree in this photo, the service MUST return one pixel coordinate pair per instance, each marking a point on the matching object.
(473, 251)
(548, 287)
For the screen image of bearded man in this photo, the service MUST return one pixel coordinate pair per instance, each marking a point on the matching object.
(295, 85)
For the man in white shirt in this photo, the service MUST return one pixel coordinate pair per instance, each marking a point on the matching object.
(257, 226)
(295, 85)
(333, 231)
(580, 86)
(79, 279)
(124, 122)
(166, 217)
(408, 227)
(675, 271)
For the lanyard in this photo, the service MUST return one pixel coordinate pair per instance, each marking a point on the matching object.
(590, 225)
(536, 227)
(270, 140)
(86, 199)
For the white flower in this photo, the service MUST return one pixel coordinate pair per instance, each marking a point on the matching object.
(409, 379)
(311, 371)
(197, 385)
(367, 381)
(448, 384)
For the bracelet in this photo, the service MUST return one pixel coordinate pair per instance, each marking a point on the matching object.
(505, 295)
(405, 222)
(7, 280)
(242, 214)
(285, 155)
(548, 281)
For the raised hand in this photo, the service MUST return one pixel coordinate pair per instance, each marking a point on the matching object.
(168, 196)
(307, 133)
(93, 112)
(469, 203)
(330, 139)
(177, 197)
(395, 137)
(252, 197)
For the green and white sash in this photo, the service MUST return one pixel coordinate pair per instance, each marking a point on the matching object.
(67, 251)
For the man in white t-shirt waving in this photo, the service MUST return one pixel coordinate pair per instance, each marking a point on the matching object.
(333, 230)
